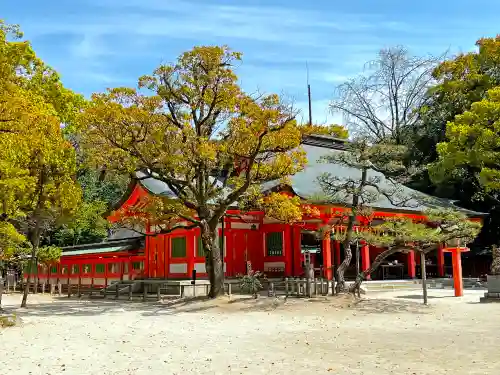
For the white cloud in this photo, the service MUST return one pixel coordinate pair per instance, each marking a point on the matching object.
(275, 40)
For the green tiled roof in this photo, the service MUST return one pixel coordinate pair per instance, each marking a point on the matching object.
(97, 250)
(305, 186)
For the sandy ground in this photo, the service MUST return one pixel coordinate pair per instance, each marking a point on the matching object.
(389, 333)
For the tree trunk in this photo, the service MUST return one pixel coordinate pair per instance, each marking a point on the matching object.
(424, 276)
(343, 266)
(354, 288)
(341, 287)
(350, 228)
(213, 260)
(35, 242)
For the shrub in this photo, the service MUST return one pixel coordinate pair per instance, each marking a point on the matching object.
(251, 282)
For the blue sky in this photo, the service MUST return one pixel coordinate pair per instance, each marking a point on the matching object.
(96, 44)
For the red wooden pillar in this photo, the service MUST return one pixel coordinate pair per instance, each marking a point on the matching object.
(288, 247)
(228, 254)
(456, 259)
(190, 252)
(365, 259)
(411, 265)
(440, 261)
(297, 248)
(458, 283)
(327, 259)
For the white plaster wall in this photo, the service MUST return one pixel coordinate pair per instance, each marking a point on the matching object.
(244, 225)
(178, 268)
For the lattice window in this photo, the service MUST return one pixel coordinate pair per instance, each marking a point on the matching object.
(138, 265)
(178, 247)
(53, 269)
(274, 244)
(113, 267)
(99, 268)
(87, 268)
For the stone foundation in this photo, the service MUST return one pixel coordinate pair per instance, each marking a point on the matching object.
(493, 293)
(490, 297)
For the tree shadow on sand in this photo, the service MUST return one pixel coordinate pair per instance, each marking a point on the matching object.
(382, 306)
(63, 306)
(373, 305)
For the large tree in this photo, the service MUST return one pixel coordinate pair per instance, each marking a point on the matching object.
(382, 103)
(460, 82)
(37, 164)
(198, 132)
(472, 148)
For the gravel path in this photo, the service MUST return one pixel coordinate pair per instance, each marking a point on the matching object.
(389, 333)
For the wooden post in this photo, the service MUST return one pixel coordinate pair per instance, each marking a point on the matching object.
(69, 269)
(158, 292)
(286, 287)
(322, 287)
(144, 291)
(411, 264)
(59, 287)
(79, 287)
(424, 276)
(440, 261)
(315, 287)
(117, 291)
(52, 289)
(69, 290)
(130, 292)
(270, 290)
(228, 289)
(43, 287)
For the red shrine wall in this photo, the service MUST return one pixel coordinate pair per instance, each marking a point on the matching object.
(271, 248)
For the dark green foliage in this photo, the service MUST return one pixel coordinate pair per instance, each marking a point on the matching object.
(89, 225)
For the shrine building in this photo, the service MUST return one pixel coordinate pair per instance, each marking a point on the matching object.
(270, 246)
